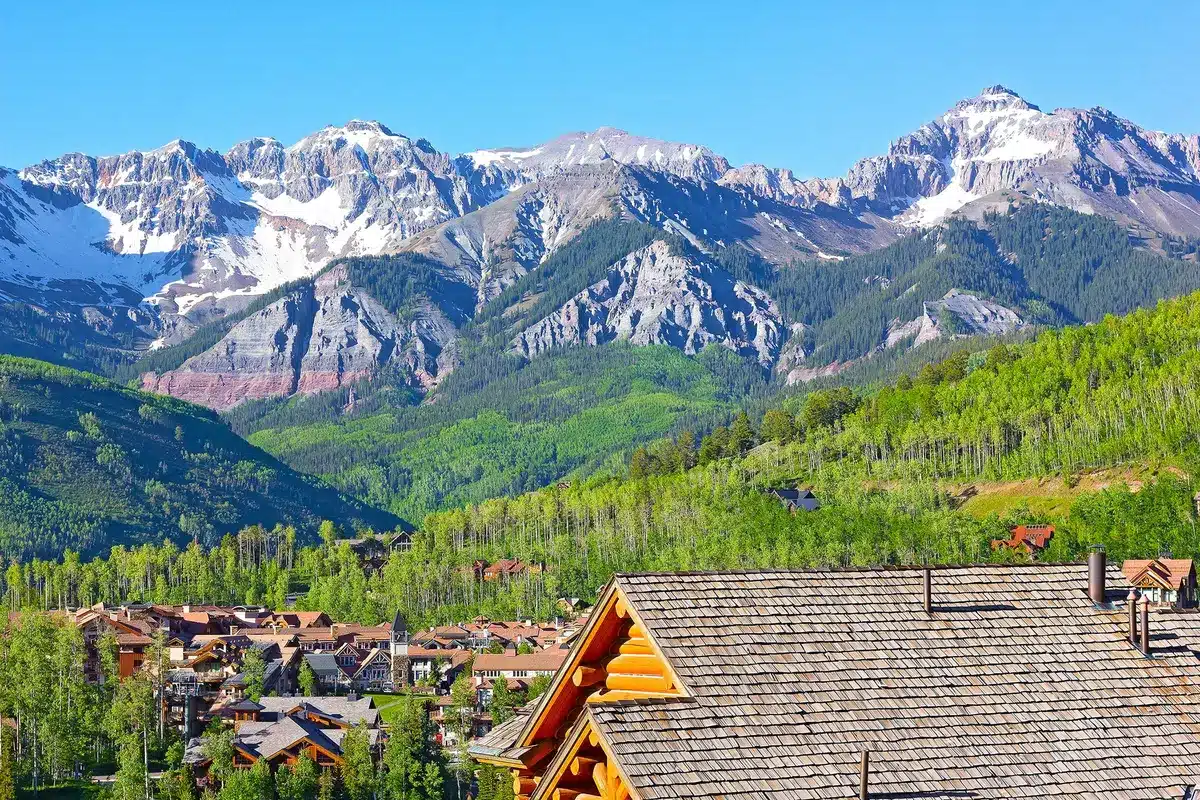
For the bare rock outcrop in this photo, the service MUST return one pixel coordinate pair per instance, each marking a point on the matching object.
(322, 336)
(655, 296)
(956, 314)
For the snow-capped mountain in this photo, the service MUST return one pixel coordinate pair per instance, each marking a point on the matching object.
(1091, 161)
(604, 144)
(186, 228)
(154, 243)
(191, 229)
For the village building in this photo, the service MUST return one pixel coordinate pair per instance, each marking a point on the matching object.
(280, 729)
(796, 499)
(508, 568)
(1029, 539)
(282, 620)
(1165, 581)
(997, 681)
(518, 669)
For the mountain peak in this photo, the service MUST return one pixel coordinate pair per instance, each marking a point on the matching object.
(998, 89)
(993, 98)
(367, 125)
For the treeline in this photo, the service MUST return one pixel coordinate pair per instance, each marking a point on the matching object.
(717, 516)
(1082, 397)
(1101, 395)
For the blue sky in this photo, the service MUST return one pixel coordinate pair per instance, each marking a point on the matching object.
(803, 85)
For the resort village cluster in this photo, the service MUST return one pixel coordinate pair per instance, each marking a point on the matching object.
(943, 681)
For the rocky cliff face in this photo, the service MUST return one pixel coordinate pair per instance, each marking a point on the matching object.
(653, 296)
(955, 314)
(322, 336)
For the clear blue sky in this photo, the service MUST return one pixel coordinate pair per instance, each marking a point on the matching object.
(811, 86)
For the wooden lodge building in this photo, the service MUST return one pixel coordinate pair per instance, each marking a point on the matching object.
(997, 681)
(279, 729)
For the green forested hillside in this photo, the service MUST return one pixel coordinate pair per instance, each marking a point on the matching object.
(501, 427)
(1052, 265)
(86, 463)
(29, 332)
(1118, 392)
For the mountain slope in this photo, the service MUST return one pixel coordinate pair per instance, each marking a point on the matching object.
(1036, 263)
(87, 464)
(324, 334)
(500, 425)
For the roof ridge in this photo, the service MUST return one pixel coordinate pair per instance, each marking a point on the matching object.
(879, 568)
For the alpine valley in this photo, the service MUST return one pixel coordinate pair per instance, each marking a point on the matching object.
(424, 330)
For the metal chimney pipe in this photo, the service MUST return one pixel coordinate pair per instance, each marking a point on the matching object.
(865, 769)
(1133, 625)
(928, 591)
(1096, 565)
(1145, 626)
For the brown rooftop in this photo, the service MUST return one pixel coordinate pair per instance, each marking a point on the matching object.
(1170, 573)
(1015, 685)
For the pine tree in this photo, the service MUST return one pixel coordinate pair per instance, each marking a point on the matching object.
(254, 669)
(307, 680)
(741, 436)
(358, 765)
(504, 700)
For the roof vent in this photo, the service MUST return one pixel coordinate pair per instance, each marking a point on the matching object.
(864, 769)
(1096, 566)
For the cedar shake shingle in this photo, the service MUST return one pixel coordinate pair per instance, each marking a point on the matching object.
(1015, 686)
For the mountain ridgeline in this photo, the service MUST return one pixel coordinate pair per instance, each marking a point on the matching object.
(456, 328)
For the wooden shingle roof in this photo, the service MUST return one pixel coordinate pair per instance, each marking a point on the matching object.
(1014, 686)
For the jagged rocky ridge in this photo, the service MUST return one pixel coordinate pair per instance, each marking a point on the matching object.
(655, 296)
(1088, 160)
(192, 228)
